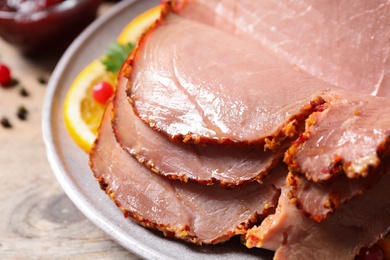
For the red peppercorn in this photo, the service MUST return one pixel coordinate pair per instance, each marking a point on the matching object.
(5, 75)
(102, 92)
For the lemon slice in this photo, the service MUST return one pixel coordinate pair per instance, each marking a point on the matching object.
(133, 31)
(82, 114)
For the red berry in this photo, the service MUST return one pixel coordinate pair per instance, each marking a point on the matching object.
(371, 253)
(102, 91)
(5, 75)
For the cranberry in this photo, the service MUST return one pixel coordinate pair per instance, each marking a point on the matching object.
(371, 253)
(102, 92)
(5, 75)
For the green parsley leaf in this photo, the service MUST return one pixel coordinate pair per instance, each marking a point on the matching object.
(116, 56)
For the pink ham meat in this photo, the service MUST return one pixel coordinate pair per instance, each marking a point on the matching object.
(195, 213)
(230, 91)
(184, 98)
(345, 43)
(185, 84)
(350, 136)
(295, 236)
(228, 166)
(351, 120)
(320, 200)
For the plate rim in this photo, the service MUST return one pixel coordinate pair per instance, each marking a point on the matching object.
(51, 152)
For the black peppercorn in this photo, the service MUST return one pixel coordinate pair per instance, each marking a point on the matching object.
(42, 80)
(23, 92)
(5, 122)
(22, 113)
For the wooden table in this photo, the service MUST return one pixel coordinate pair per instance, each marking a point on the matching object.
(37, 219)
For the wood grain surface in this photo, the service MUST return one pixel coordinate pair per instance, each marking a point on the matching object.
(37, 219)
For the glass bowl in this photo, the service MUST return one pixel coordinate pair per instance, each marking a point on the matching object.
(53, 27)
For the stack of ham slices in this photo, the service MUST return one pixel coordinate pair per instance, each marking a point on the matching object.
(255, 118)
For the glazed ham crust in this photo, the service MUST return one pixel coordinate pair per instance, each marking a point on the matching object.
(195, 213)
(177, 93)
(321, 200)
(350, 136)
(180, 96)
(293, 235)
(224, 165)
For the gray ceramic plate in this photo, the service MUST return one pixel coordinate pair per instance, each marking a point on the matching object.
(70, 164)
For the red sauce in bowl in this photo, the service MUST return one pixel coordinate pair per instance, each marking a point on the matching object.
(40, 25)
(26, 6)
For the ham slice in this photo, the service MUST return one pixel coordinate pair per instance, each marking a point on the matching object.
(345, 148)
(319, 200)
(345, 43)
(293, 235)
(228, 166)
(350, 136)
(201, 97)
(195, 213)
(184, 98)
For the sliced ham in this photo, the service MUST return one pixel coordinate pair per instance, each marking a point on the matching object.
(345, 43)
(320, 200)
(350, 136)
(293, 235)
(195, 213)
(350, 121)
(197, 84)
(186, 98)
(345, 148)
(228, 166)
(231, 106)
